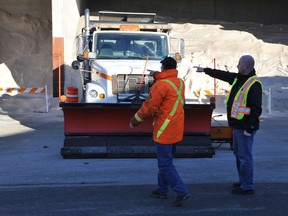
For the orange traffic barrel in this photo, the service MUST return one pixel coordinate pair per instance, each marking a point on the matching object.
(72, 94)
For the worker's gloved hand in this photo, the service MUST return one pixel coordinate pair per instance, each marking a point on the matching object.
(199, 69)
(133, 122)
(151, 72)
(248, 131)
(131, 125)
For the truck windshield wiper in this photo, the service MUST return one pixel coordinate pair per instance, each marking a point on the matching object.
(135, 57)
(106, 57)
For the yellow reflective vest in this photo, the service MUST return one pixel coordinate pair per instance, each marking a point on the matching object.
(239, 108)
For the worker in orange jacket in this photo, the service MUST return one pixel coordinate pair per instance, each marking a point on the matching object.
(165, 104)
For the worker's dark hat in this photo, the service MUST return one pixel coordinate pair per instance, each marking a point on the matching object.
(169, 63)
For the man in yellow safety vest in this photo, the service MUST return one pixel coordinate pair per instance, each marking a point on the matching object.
(243, 111)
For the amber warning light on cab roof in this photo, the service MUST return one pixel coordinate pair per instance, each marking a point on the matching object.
(129, 28)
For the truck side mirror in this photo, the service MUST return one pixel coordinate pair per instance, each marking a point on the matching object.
(181, 47)
(75, 65)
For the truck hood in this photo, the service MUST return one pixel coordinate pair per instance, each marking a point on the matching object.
(112, 67)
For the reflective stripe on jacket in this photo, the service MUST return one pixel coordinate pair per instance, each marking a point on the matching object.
(239, 108)
(171, 114)
(165, 105)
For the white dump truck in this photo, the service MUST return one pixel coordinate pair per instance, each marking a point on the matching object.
(115, 54)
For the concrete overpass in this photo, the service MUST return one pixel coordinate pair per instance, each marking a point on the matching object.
(265, 12)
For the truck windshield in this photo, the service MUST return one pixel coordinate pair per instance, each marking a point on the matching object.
(114, 45)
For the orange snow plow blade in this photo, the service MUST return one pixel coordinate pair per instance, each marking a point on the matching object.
(102, 130)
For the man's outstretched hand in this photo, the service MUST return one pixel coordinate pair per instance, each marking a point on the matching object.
(199, 69)
(133, 122)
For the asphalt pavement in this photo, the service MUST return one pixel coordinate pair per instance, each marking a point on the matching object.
(35, 180)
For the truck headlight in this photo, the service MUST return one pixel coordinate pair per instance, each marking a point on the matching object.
(93, 93)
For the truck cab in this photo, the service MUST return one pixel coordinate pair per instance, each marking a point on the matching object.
(118, 51)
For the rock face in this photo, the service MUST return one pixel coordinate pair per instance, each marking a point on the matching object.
(25, 46)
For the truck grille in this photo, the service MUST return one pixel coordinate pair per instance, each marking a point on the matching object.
(128, 87)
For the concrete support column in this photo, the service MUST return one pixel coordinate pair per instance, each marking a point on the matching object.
(65, 17)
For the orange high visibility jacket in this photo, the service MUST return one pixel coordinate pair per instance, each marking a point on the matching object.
(165, 104)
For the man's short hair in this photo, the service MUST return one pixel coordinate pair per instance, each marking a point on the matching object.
(169, 63)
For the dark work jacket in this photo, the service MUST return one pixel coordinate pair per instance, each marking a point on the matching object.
(254, 98)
